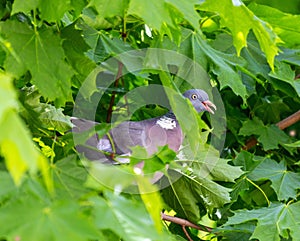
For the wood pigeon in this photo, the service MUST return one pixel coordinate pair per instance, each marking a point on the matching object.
(149, 133)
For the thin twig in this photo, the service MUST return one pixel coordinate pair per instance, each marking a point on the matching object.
(186, 233)
(112, 99)
(292, 119)
(184, 223)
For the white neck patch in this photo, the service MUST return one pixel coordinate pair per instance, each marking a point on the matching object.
(166, 123)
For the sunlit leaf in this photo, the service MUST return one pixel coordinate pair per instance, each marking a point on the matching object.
(187, 8)
(50, 10)
(29, 217)
(106, 9)
(15, 142)
(284, 24)
(223, 64)
(53, 118)
(17, 148)
(69, 177)
(155, 13)
(7, 186)
(41, 53)
(240, 20)
(152, 200)
(127, 218)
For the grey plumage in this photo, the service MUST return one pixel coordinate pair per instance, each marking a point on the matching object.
(150, 133)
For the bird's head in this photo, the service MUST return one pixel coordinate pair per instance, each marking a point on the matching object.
(199, 99)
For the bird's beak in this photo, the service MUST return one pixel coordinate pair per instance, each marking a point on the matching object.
(207, 104)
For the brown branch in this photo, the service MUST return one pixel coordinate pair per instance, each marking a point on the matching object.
(184, 223)
(292, 119)
(186, 233)
(112, 99)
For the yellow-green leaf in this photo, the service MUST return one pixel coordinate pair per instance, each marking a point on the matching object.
(240, 20)
(16, 145)
(152, 201)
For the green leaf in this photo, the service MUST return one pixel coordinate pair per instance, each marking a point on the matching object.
(181, 198)
(100, 177)
(154, 13)
(198, 50)
(102, 46)
(75, 48)
(287, 26)
(24, 6)
(284, 216)
(29, 217)
(284, 73)
(105, 9)
(295, 144)
(8, 96)
(240, 20)
(285, 183)
(198, 181)
(290, 56)
(247, 160)
(126, 217)
(53, 118)
(7, 186)
(238, 232)
(54, 10)
(216, 168)
(16, 145)
(270, 108)
(222, 66)
(270, 136)
(155, 162)
(208, 164)
(17, 148)
(69, 178)
(187, 8)
(41, 53)
(152, 200)
(50, 10)
(186, 192)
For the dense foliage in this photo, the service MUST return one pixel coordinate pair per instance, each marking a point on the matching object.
(49, 51)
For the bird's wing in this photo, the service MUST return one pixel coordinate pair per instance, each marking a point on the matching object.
(147, 133)
(127, 135)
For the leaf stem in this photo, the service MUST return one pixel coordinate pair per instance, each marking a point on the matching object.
(259, 188)
(52, 147)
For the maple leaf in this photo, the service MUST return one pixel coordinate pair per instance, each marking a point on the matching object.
(277, 220)
(270, 136)
(285, 183)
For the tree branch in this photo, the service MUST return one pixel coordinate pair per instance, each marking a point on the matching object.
(292, 119)
(184, 223)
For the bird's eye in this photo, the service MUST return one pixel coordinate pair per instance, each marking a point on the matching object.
(194, 97)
